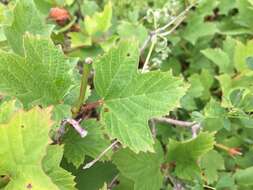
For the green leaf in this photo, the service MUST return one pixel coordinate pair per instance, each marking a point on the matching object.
(211, 163)
(7, 109)
(99, 22)
(124, 183)
(196, 25)
(215, 116)
(245, 176)
(226, 181)
(26, 18)
(220, 58)
(76, 148)
(51, 166)
(79, 39)
(130, 30)
(23, 145)
(140, 167)
(186, 154)
(245, 16)
(130, 98)
(242, 52)
(41, 77)
(94, 177)
(250, 62)
(60, 112)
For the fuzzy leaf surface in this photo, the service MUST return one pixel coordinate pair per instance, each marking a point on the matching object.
(42, 76)
(63, 179)
(26, 18)
(140, 167)
(76, 148)
(131, 98)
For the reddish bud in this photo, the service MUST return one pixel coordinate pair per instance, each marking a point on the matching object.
(59, 15)
(234, 151)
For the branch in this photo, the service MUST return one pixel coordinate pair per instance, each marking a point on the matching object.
(75, 124)
(182, 14)
(194, 126)
(113, 182)
(174, 122)
(162, 29)
(88, 165)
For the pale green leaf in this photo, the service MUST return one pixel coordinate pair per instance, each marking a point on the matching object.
(41, 77)
(211, 163)
(186, 154)
(220, 58)
(130, 98)
(51, 166)
(242, 52)
(76, 148)
(142, 168)
(130, 30)
(26, 18)
(100, 22)
(78, 40)
(215, 116)
(245, 176)
(23, 145)
(196, 27)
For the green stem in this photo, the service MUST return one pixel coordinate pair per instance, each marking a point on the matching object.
(84, 83)
(67, 27)
(145, 66)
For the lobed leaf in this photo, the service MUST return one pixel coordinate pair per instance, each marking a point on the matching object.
(131, 98)
(41, 77)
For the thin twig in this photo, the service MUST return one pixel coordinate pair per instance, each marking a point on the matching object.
(209, 187)
(88, 165)
(161, 30)
(153, 42)
(146, 42)
(67, 27)
(194, 126)
(183, 13)
(175, 122)
(173, 28)
(112, 183)
(75, 124)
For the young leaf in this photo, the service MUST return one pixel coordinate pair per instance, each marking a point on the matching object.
(211, 163)
(197, 21)
(142, 168)
(130, 98)
(76, 148)
(26, 18)
(242, 52)
(245, 176)
(51, 166)
(40, 77)
(99, 22)
(186, 154)
(128, 30)
(220, 58)
(23, 145)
